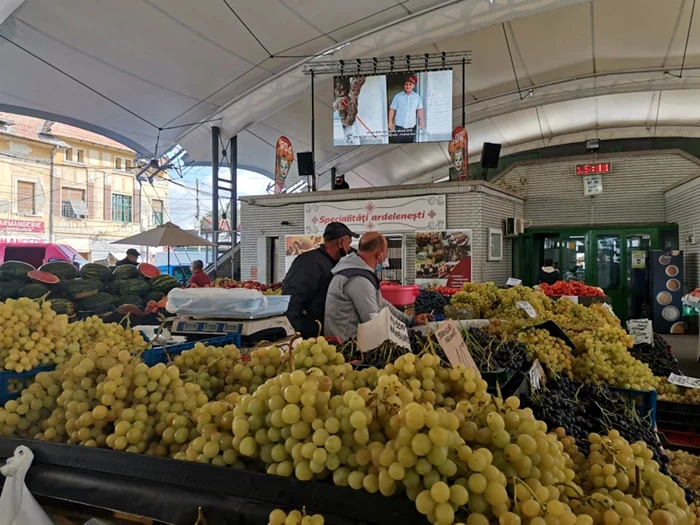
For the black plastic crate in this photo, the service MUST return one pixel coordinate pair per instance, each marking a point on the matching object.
(684, 417)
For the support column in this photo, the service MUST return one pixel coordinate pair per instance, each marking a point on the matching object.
(233, 167)
(215, 137)
(313, 133)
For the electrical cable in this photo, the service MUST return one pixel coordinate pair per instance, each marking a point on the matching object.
(512, 63)
(247, 28)
(687, 39)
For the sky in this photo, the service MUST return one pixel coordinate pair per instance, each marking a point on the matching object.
(183, 202)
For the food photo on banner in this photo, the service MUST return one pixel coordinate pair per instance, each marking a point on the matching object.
(390, 109)
(295, 245)
(284, 157)
(443, 258)
(459, 156)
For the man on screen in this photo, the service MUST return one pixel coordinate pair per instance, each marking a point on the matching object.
(405, 113)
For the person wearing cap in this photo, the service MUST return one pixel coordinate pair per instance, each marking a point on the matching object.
(309, 276)
(132, 257)
(405, 113)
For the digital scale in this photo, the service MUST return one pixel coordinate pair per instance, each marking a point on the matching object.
(252, 330)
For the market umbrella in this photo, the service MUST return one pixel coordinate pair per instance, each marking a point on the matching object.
(167, 234)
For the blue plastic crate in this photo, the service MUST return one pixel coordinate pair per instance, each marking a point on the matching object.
(160, 354)
(25, 377)
(644, 402)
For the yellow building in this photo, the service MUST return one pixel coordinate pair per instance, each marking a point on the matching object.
(66, 185)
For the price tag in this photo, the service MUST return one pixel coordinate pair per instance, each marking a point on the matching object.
(536, 375)
(642, 331)
(572, 298)
(383, 327)
(689, 382)
(450, 339)
(529, 310)
(514, 282)
(609, 308)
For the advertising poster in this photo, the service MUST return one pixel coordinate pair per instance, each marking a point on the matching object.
(399, 108)
(444, 258)
(295, 245)
(459, 155)
(284, 157)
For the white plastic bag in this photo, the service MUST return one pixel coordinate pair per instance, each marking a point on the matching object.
(215, 302)
(17, 505)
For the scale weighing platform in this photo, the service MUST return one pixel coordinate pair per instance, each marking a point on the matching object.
(252, 330)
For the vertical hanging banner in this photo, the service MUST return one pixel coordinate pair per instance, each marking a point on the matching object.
(459, 155)
(284, 157)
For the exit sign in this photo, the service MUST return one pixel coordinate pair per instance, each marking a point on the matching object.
(592, 169)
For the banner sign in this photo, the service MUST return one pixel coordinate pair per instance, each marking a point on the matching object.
(295, 245)
(459, 155)
(444, 258)
(12, 225)
(284, 157)
(385, 215)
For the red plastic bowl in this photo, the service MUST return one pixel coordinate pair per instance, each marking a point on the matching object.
(401, 296)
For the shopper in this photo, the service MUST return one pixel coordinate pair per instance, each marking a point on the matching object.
(132, 257)
(354, 295)
(199, 279)
(405, 113)
(309, 276)
(548, 274)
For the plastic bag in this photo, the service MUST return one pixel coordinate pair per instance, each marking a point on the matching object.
(17, 505)
(215, 302)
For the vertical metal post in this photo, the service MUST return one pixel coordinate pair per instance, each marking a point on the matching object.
(215, 137)
(333, 171)
(464, 91)
(233, 167)
(313, 133)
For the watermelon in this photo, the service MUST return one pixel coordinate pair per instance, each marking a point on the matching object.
(113, 287)
(153, 296)
(44, 278)
(13, 270)
(129, 299)
(61, 269)
(97, 303)
(96, 271)
(163, 283)
(10, 290)
(134, 287)
(125, 271)
(81, 288)
(33, 291)
(148, 271)
(62, 306)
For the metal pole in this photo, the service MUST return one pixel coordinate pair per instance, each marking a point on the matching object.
(313, 134)
(52, 174)
(464, 91)
(233, 167)
(215, 136)
(333, 171)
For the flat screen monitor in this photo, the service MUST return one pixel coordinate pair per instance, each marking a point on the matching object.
(399, 108)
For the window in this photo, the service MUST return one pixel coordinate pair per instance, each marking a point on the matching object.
(127, 164)
(73, 203)
(121, 208)
(80, 154)
(68, 155)
(157, 212)
(26, 198)
(118, 165)
(495, 245)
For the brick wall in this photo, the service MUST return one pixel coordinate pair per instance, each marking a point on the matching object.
(262, 217)
(683, 208)
(632, 194)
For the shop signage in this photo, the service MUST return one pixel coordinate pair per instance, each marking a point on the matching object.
(382, 327)
(451, 341)
(13, 225)
(590, 169)
(444, 258)
(284, 156)
(427, 212)
(641, 330)
(592, 185)
(22, 240)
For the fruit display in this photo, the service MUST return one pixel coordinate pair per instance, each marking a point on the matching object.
(679, 394)
(267, 289)
(686, 467)
(295, 517)
(657, 357)
(572, 288)
(552, 352)
(430, 302)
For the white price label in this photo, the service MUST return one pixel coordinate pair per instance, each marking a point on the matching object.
(572, 298)
(382, 327)
(513, 282)
(609, 308)
(450, 339)
(527, 307)
(689, 382)
(536, 375)
(641, 330)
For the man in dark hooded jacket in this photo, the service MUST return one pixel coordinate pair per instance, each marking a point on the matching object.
(309, 276)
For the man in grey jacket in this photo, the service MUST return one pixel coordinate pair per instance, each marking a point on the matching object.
(354, 295)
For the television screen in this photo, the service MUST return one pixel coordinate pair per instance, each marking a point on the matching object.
(400, 108)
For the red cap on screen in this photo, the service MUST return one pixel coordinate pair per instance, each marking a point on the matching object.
(412, 78)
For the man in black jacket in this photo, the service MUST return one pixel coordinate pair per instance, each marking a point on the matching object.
(309, 276)
(132, 257)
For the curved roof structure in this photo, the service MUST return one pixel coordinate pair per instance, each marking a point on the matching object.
(152, 73)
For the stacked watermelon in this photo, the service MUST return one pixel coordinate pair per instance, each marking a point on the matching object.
(95, 288)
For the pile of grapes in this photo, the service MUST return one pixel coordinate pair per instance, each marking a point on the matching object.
(686, 467)
(295, 517)
(657, 357)
(430, 302)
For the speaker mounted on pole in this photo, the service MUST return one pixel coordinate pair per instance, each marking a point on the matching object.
(305, 166)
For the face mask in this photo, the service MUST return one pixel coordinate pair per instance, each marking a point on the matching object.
(383, 265)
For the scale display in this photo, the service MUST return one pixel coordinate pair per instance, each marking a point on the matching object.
(592, 169)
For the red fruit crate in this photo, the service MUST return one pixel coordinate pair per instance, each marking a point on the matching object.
(687, 439)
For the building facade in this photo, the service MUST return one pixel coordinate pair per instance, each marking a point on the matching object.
(65, 185)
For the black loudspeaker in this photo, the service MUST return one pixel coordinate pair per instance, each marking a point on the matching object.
(489, 155)
(306, 163)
